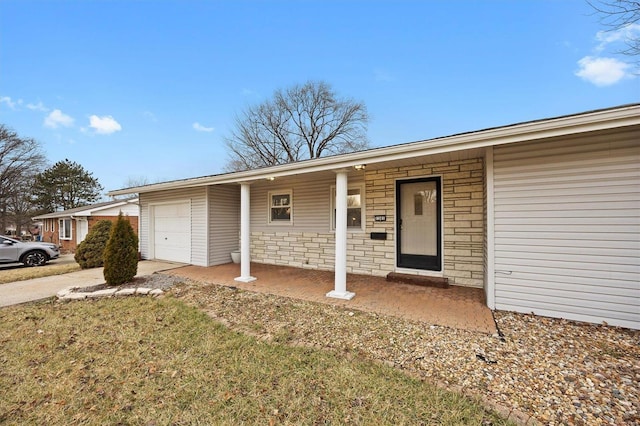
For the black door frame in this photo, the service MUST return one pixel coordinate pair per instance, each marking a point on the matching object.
(414, 261)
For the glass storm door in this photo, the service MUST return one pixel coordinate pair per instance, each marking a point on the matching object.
(418, 203)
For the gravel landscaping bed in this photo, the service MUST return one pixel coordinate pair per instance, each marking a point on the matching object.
(550, 370)
(153, 281)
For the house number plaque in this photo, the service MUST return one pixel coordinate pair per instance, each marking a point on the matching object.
(380, 218)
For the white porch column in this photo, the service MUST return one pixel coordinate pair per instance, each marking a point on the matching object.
(340, 289)
(245, 234)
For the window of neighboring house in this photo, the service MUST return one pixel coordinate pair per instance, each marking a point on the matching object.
(65, 229)
(355, 210)
(280, 207)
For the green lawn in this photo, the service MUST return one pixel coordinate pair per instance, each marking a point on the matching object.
(148, 361)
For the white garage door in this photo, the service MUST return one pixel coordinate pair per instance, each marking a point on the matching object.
(567, 229)
(172, 232)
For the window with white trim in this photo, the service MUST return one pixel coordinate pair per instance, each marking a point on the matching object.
(355, 210)
(65, 229)
(280, 207)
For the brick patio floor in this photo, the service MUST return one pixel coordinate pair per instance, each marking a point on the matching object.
(457, 307)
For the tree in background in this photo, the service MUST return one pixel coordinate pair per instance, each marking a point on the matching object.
(65, 185)
(621, 15)
(302, 122)
(90, 252)
(20, 158)
(121, 253)
(20, 206)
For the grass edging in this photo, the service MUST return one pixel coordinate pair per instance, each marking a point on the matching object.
(25, 273)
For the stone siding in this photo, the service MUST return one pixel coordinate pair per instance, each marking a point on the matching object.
(463, 204)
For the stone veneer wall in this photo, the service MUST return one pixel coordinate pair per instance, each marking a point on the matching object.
(463, 203)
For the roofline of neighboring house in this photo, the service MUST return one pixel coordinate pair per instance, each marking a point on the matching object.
(621, 116)
(86, 210)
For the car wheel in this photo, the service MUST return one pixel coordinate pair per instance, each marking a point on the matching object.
(34, 258)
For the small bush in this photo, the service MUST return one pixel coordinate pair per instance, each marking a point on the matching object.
(90, 252)
(121, 253)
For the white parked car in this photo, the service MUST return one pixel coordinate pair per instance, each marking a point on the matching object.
(30, 253)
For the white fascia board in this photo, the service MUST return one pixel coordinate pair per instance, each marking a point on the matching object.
(529, 131)
(92, 211)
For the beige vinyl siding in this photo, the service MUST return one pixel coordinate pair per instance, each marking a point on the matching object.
(224, 223)
(311, 204)
(198, 199)
(567, 228)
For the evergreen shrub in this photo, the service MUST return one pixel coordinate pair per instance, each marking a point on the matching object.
(90, 252)
(121, 253)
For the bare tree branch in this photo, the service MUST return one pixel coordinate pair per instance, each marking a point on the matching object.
(302, 122)
(621, 15)
(20, 158)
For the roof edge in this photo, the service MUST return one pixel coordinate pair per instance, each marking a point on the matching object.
(85, 210)
(621, 116)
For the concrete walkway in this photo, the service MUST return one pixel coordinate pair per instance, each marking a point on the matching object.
(42, 288)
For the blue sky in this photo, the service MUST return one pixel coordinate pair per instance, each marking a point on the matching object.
(149, 89)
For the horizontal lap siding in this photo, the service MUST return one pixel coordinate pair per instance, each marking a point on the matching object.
(567, 228)
(308, 242)
(311, 205)
(224, 223)
(198, 199)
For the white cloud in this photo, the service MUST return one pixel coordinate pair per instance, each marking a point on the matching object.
(603, 71)
(10, 102)
(104, 125)
(38, 107)
(57, 118)
(17, 105)
(199, 127)
(623, 34)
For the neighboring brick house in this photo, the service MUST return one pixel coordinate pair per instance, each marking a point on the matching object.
(68, 228)
(543, 216)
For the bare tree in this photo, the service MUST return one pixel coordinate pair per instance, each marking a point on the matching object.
(134, 181)
(20, 205)
(19, 158)
(617, 15)
(302, 122)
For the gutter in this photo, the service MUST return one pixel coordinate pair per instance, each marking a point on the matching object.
(529, 131)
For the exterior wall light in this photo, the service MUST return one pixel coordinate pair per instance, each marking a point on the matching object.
(360, 166)
(270, 178)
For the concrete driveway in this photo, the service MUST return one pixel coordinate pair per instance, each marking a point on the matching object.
(64, 259)
(42, 288)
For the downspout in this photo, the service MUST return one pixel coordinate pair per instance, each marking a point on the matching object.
(490, 279)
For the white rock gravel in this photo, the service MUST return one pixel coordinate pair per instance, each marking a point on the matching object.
(550, 370)
(152, 285)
